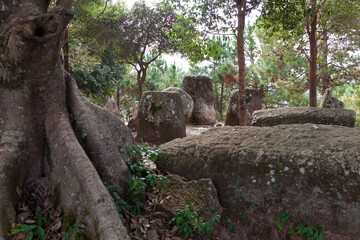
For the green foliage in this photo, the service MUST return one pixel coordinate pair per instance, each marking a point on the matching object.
(313, 232)
(188, 221)
(35, 230)
(73, 230)
(143, 152)
(350, 95)
(32, 230)
(100, 81)
(120, 203)
(142, 178)
(228, 223)
(161, 75)
(283, 219)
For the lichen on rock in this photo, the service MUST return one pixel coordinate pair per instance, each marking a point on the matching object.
(296, 168)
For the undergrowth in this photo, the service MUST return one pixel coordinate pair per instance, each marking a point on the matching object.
(188, 221)
(142, 177)
(310, 232)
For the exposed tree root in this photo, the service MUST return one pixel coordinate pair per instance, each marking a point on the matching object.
(103, 136)
(80, 186)
(12, 156)
(35, 129)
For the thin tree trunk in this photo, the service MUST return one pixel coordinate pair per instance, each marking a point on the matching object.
(221, 102)
(141, 76)
(216, 95)
(313, 58)
(118, 96)
(240, 4)
(139, 83)
(325, 70)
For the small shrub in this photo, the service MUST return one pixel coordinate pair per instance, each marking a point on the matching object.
(188, 221)
(313, 232)
(144, 151)
(142, 177)
(283, 219)
(228, 223)
(74, 230)
(35, 230)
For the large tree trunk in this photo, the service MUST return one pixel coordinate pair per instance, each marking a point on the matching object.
(240, 4)
(37, 97)
(313, 57)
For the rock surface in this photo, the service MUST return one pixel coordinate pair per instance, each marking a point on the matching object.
(201, 91)
(253, 102)
(160, 117)
(112, 107)
(328, 101)
(310, 171)
(201, 193)
(330, 116)
(187, 101)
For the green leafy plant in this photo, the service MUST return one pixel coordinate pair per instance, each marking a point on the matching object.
(34, 229)
(138, 168)
(313, 232)
(121, 204)
(228, 223)
(142, 177)
(188, 221)
(144, 151)
(73, 230)
(283, 219)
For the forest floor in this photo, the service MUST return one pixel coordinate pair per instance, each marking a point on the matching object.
(39, 216)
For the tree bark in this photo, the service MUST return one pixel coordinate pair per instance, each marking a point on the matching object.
(313, 57)
(221, 102)
(44, 118)
(325, 67)
(141, 76)
(240, 5)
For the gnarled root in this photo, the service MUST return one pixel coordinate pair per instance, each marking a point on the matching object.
(11, 176)
(103, 135)
(81, 187)
(34, 115)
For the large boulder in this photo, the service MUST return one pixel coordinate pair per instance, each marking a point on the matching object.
(112, 107)
(328, 101)
(277, 116)
(309, 171)
(253, 102)
(187, 101)
(201, 91)
(160, 117)
(201, 193)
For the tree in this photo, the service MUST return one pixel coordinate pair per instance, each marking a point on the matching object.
(338, 61)
(281, 70)
(140, 36)
(99, 82)
(299, 17)
(161, 76)
(219, 17)
(45, 120)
